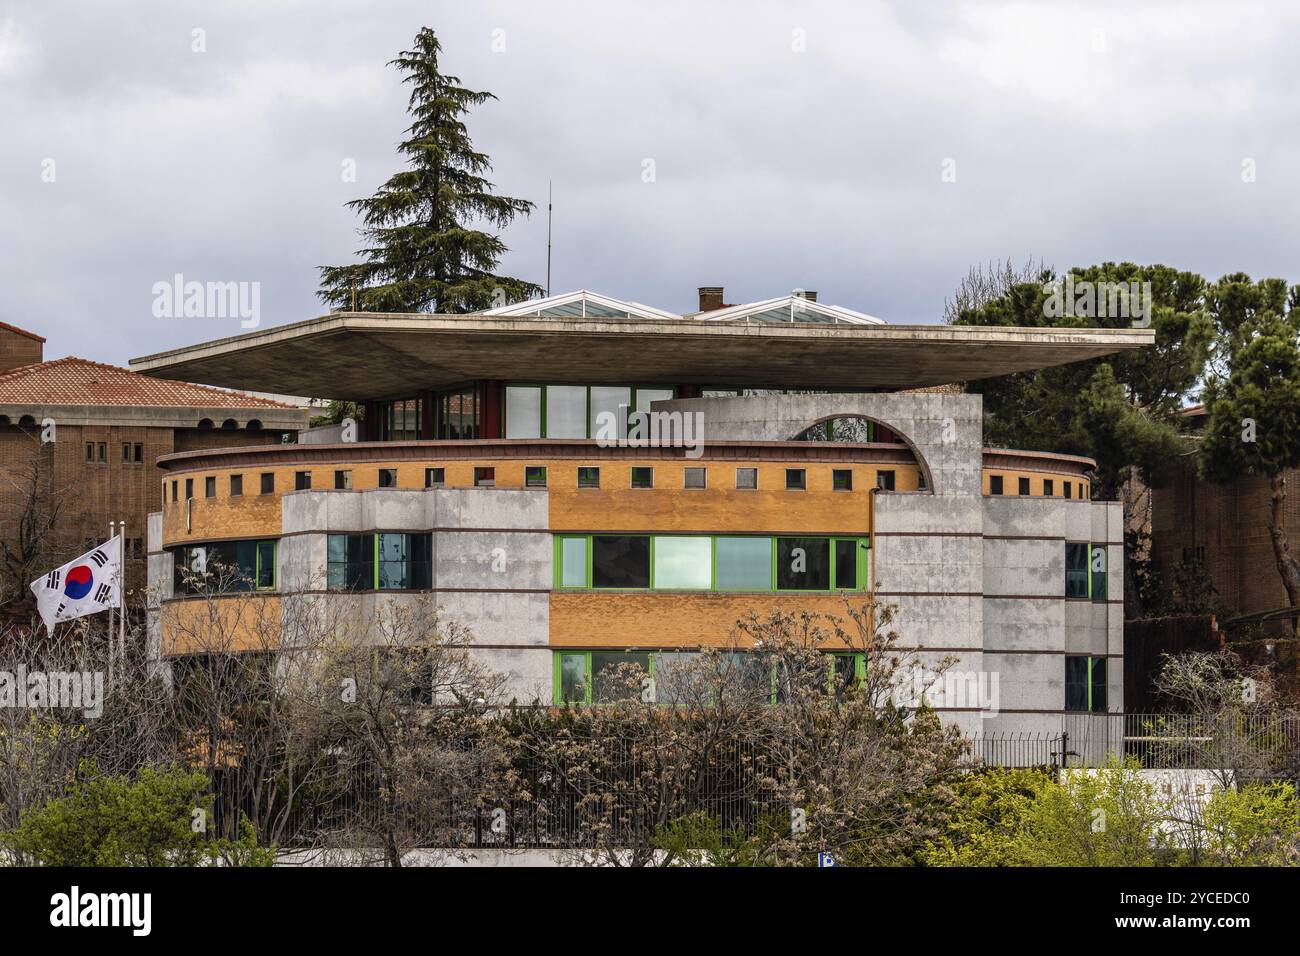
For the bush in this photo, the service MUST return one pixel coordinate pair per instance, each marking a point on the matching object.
(116, 821)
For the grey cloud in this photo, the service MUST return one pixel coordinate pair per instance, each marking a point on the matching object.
(775, 168)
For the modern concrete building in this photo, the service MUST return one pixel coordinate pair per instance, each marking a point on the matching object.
(506, 464)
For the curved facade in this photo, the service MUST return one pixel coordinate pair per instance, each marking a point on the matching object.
(566, 555)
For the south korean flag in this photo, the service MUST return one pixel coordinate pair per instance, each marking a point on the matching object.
(87, 585)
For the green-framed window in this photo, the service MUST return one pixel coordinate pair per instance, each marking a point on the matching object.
(383, 561)
(848, 670)
(1085, 570)
(587, 677)
(592, 676)
(772, 563)
(267, 572)
(229, 565)
(534, 410)
(1085, 683)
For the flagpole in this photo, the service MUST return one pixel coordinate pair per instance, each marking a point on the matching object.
(121, 591)
(111, 629)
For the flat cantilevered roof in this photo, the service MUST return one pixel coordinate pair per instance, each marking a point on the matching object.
(356, 355)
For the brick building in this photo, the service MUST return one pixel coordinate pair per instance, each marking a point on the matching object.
(1225, 528)
(80, 439)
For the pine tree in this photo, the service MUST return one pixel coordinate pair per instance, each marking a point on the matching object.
(422, 254)
(1254, 400)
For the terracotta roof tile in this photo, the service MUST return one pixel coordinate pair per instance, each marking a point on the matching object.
(77, 381)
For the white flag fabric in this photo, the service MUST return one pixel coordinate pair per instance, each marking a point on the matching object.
(86, 585)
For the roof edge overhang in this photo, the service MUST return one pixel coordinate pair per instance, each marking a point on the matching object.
(325, 357)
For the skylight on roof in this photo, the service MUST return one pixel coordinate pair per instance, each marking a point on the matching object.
(582, 305)
(792, 310)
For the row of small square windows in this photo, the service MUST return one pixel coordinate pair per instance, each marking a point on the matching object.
(796, 479)
(97, 452)
(996, 487)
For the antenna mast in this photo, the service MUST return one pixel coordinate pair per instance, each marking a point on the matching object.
(548, 238)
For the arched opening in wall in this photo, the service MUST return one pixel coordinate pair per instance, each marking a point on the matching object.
(230, 424)
(4, 420)
(205, 424)
(864, 430)
(254, 425)
(27, 421)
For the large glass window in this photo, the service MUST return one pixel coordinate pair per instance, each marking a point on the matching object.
(1076, 569)
(458, 414)
(617, 675)
(1085, 683)
(848, 574)
(266, 565)
(1097, 567)
(744, 564)
(405, 561)
(575, 411)
(350, 562)
(572, 679)
(704, 563)
(566, 411)
(573, 563)
(672, 676)
(620, 561)
(803, 564)
(224, 566)
(645, 397)
(523, 411)
(613, 402)
(399, 420)
(683, 563)
(587, 677)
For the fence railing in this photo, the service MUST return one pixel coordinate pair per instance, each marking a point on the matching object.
(551, 804)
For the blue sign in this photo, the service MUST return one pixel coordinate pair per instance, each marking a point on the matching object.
(825, 859)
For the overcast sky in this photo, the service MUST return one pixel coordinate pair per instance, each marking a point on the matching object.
(794, 145)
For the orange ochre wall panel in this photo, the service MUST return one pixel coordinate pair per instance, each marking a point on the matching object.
(1011, 482)
(622, 619)
(246, 622)
(615, 506)
(670, 506)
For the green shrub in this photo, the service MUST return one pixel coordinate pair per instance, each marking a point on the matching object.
(116, 821)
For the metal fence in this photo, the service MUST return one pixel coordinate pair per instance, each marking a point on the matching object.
(618, 798)
(1154, 741)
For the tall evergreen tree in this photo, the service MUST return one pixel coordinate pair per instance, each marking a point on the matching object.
(422, 253)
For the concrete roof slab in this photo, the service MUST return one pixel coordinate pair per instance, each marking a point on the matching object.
(372, 355)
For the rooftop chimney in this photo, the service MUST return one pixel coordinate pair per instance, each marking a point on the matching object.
(807, 294)
(710, 298)
(18, 347)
